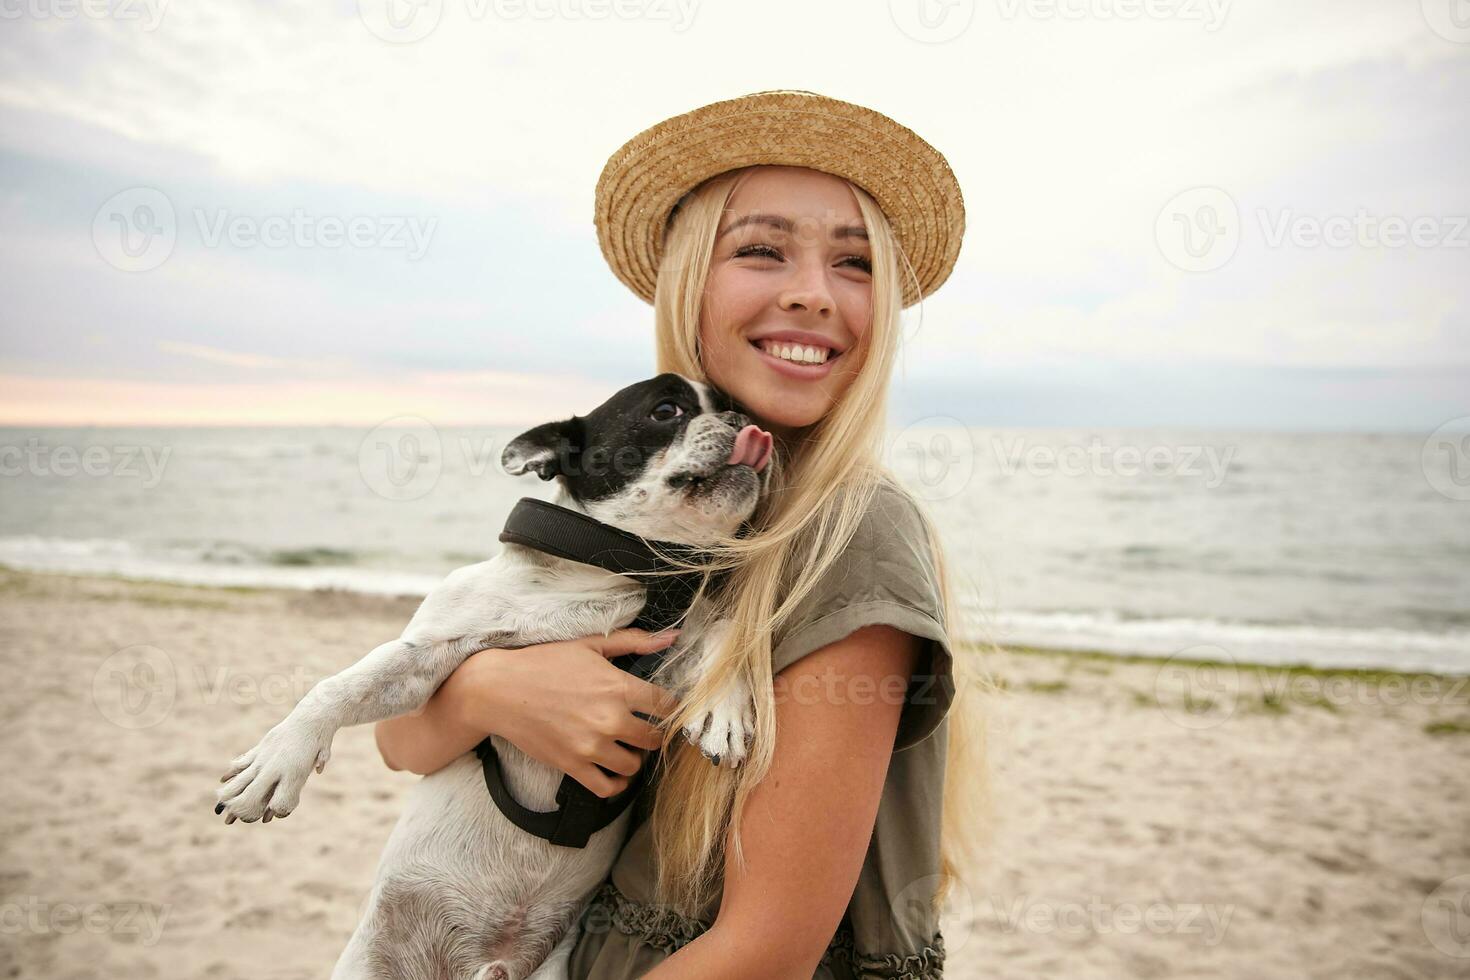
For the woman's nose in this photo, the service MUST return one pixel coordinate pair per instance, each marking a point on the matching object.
(808, 290)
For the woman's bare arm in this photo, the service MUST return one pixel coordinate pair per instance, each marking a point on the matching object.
(831, 757)
(428, 740)
(561, 703)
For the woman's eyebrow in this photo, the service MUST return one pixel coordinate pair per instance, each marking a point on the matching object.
(782, 224)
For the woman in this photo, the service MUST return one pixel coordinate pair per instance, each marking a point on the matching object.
(777, 216)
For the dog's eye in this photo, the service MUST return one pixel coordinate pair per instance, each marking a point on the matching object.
(664, 411)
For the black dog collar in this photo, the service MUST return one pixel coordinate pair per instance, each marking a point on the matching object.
(577, 537)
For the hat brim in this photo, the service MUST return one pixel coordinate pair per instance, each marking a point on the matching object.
(910, 180)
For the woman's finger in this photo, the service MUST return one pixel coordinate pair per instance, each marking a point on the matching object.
(631, 640)
(620, 760)
(600, 783)
(650, 699)
(641, 734)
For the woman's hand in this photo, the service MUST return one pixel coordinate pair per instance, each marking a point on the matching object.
(561, 703)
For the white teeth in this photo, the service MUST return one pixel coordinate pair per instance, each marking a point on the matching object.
(800, 353)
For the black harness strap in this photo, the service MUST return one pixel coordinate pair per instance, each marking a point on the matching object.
(577, 537)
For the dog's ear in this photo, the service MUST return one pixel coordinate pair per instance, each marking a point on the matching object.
(546, 450)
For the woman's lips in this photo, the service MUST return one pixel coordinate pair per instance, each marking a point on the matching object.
(806, 372)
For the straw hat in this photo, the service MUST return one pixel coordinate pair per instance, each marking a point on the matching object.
(910, 180)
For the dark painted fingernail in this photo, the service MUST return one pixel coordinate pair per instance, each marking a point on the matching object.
(219, 808)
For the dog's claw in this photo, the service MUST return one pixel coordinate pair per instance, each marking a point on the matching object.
(277, 769)
(724, 732)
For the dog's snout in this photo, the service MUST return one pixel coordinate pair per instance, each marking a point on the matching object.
(736, 420)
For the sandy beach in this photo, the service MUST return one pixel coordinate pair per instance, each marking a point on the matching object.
(1161, 819)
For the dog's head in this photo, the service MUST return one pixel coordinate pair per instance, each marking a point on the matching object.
(667, 458)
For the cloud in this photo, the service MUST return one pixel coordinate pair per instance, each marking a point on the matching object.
(217, 356)
(1068, 136)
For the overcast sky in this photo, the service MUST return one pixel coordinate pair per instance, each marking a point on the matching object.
(1180, 212)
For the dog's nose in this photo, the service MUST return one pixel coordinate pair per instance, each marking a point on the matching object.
(736, 420)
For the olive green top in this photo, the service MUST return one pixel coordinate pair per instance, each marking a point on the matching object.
(886, 576)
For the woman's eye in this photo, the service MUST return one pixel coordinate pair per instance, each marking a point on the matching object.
(758, 250)
(767, 251)
(664, 411)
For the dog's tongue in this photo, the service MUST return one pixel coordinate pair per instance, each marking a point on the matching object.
(752, 447)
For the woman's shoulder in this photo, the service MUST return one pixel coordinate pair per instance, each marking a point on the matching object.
(889, 557)
(895, 529)
(886, 573)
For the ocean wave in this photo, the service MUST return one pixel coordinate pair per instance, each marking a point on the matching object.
(1123, 632)
(1260, 643)
(213, 563)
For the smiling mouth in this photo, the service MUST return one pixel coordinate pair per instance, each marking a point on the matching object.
(793, 353)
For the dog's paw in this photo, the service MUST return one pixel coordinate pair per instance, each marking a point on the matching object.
(723, 733)
(266, 781)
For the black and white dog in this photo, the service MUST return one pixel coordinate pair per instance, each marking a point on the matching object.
(461, 891)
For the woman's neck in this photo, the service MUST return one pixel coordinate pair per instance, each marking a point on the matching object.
(787, 440)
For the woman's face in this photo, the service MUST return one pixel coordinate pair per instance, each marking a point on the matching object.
(791, 264)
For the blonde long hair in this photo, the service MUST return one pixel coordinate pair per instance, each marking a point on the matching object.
(817, 495)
